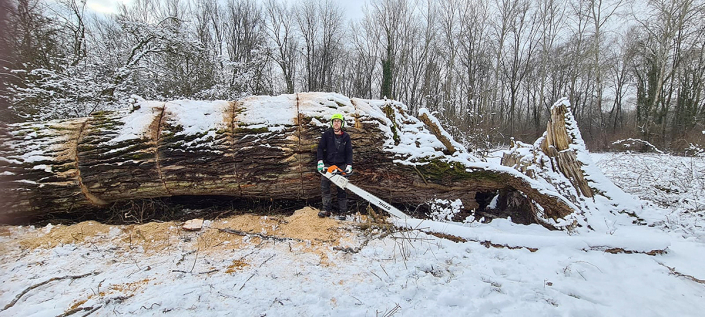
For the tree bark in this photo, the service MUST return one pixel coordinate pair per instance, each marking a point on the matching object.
(85, 164)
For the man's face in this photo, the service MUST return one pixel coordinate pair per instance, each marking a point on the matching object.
(336, 124)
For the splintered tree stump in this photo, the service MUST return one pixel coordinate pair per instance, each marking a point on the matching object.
(555, 152)
(560, 134)
(256, 147)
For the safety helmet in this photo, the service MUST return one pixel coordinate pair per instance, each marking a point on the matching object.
(339, 117)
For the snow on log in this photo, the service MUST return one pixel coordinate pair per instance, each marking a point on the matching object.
(256, 147)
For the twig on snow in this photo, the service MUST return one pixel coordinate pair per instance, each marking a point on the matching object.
(243, 284)
(73, 277)
(392, 311)
(359, 302)
(373, 273)
(90, 310)
(195, 259)
(265, 261)
(262, 236)
(347, 249)
(385, 271)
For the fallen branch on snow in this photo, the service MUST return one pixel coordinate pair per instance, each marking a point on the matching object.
(73, 277)
(488, 244)
(263, 236)
(89, 310)
(676, 273)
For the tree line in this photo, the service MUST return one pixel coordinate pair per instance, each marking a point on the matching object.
(490, 69)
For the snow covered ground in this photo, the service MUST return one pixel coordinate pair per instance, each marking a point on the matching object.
(305, 266)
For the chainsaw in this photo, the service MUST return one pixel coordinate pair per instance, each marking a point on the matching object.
(338, 177)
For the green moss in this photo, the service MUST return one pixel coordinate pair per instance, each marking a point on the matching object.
(139, 156)
(168, 133)
(305, 120)
(60, 128)
(101, 113)
(83, 147)
(63, 167)
(437, 170)
(395, 135)
(389, 112)
(252, 130)
(102, 123)
(193, 137)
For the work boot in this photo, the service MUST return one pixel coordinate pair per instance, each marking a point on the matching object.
(323, 214)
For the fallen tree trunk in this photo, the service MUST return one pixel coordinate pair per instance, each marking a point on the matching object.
(257, 147)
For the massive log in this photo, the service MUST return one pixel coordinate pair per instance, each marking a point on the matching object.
(256, 147)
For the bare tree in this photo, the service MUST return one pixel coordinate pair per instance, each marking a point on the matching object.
(475, 73)
(620, 78)
(75, 24)
(280, 28)
(599, 13)
(552, 20)
(307, 18)
(245, 44)
(321, 25)
(365, 54)
(421, 47)
(393, 17)
(516, 65)
(6, 59)
(331, 42)
(665, 31)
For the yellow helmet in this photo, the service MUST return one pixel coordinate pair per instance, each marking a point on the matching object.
(339, 117)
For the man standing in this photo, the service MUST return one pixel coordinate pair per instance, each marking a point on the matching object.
(334, 148)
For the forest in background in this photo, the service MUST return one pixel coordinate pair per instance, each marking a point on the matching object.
(489, 69)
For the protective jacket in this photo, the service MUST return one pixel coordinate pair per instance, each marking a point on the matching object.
(335, 149)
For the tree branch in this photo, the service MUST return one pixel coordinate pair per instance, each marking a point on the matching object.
(73, 277)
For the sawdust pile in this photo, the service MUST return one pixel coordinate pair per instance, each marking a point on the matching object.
(303, 227)
(153, 236)
(51, 236)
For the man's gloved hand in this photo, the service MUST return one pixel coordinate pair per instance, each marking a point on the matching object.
(348, 169)
(320, 166)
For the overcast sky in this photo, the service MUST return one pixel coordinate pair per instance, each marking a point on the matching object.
(351, 8)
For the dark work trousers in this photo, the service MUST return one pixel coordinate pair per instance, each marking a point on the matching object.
(328, 200)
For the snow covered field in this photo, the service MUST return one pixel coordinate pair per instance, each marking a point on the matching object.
(305, 266)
